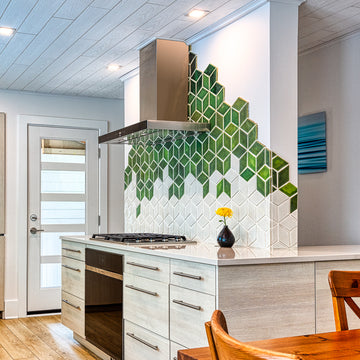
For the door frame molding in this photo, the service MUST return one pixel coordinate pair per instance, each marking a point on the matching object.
(23, 122)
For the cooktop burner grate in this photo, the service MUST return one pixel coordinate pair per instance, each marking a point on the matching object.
(141, 238)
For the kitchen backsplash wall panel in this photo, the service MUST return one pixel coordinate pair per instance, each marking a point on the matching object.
(176, 186)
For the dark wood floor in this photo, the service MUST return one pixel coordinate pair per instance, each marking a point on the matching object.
(39, 338)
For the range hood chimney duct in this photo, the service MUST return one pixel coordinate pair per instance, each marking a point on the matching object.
(163, 97)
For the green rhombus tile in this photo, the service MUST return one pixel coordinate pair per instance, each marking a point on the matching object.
(264, 173)
(278, 163)
(138, 210)
(239, 103)
(247, 174)
(219, 188)
(206, 188)
(293, 203)
(289, 189)
(283, 176)
(227, 188)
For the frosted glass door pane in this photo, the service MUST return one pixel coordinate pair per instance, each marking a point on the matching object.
(62, 212)
(66, 182)
(50, 275)
(51, 243)
(69, 159)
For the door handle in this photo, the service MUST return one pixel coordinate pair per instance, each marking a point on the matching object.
(34, 230)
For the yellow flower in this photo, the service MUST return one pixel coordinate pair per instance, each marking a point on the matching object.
(224, 212)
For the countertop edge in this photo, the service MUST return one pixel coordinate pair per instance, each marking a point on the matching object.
(313, 253)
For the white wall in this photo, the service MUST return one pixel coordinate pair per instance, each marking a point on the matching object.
(16, 103)
(256, 58)
(329, 202)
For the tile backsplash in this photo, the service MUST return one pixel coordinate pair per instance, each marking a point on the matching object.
(176, 186)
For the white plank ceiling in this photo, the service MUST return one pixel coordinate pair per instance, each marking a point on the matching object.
(64, 46)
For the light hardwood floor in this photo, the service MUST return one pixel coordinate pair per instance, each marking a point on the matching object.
(39, 338)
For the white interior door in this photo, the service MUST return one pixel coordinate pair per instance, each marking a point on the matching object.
(63, 200)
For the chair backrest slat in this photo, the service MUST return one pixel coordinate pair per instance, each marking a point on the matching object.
(224, 347)
(344, 285)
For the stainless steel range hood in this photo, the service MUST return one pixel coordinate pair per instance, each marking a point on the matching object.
(163, 97)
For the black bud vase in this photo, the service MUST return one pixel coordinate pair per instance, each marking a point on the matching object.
(226, 237)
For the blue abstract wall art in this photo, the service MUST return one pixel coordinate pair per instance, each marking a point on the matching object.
(312, 143)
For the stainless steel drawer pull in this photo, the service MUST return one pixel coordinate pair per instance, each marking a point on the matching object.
(71, 268)
(69, 303)
(154, 347)
(183, 303)
(72, 250)
(142, 290)
(195, 277)
(143, 266)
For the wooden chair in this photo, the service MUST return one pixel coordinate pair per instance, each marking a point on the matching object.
(224, 347)
(344, 286)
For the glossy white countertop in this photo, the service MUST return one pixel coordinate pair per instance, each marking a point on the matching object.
(213, 254)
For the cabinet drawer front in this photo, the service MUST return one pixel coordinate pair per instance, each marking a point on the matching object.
(146, 303)
(174, 348)
(143, 344)
(191, 275)
(73, 277)
(73, 313)
(73, 250)
(151, 267)
(189, 310)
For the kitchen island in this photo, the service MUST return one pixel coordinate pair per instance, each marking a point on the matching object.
(264, 294)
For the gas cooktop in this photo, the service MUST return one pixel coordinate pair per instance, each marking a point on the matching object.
(143, 238)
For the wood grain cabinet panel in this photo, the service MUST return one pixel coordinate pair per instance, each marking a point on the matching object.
(189, 310)
(73, 250)
(73, 277)
(191, 275)
(73, 313)
(148, 266)
(146, 303)
(143, 344)
(268, 301)
(174, 348)
(324, 310)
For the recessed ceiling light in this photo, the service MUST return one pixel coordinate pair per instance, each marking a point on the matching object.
(5, 31)
(113, 67)
(197, 13)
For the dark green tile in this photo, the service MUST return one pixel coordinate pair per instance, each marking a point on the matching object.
(260, 160)
(206, 102)
(191, 97)
(171, 191)
(252, 136)
(209, 155)
(243, 139)
(219, 121)
(219, 143)
(283, 176)
(209, 112)
(220, 98)
(256, 148)
(235, 117)
(224, 108)
(206, 188)
(243, 163)
(289, 189)
(212, 166)
(239, 103)
(227, 141)
(215, 133)
(181, 190)
(244, 114)
(219, 188)
(275, 178)
(216, 88)
(212, 100)
(231, 129)
(202, 93)
(251, 161)
(293, 203)
(212, 144)
(227, 188)
(210, 70)
(193, 87)
(227, 119)
(138, 210)
(267, 157)
(247, 174)
(278, 163)
(227, 164)
(264, 173)
(239, 151)
(198, 106)
(235, 138)
(247, 125)
(196, 158)
(197, 75)
(202, 178)
(220, 166)
(206, 82)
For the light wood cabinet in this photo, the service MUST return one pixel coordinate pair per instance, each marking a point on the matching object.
(189, 310)
(195, 276)
(73, 287)
(146, 303)
(174, 348)
(143, 344)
